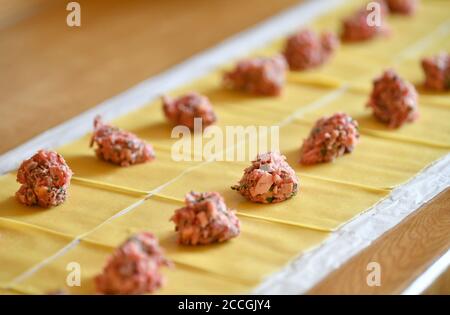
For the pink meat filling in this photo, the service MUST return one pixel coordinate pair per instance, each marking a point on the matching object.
(45, 179)
(407, 7)
(260, 76)
(437, 72)
(205, 219)
(306, 49)
(355, 28)
(393, 100)
(119, 147)
(330, 138)
(134, 268)
(183, 110)
(269, 179)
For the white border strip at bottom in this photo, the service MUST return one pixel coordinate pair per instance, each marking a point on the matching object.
(308, 269)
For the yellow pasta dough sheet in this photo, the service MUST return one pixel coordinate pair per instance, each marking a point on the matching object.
(196, 268)
(85, 208)
(431, 129)
(107, 203)
(386, 160)
(357, 64)
(314, 193)
(24, 246)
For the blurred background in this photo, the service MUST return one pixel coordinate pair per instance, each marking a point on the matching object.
(50, 72)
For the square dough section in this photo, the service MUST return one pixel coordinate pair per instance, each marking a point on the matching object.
(330, 194)
(320, 204)
(406, 32)
(231, 108)
(84, 209)
(411, 69)
(358, 63)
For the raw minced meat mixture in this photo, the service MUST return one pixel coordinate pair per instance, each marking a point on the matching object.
(45, 179)
(437, 71)
(330, 138)
(183, 110)
(119, 147)
(393, 100)
(205, 219)
(355, 27)
(306, 49)
(269, 179)
(134, 267)
(259, 75)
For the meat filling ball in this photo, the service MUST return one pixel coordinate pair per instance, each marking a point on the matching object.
(205, 220)
(119, 147)
(393, 100)
(356, 28)
(134, 267)
(406, 7)
(306, 49)
(330, 138)
(437, 72)
(259, 76)
(269, 179)
(183, 110)
(45, 179)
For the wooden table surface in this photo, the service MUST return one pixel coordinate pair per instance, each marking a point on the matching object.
(50, 72)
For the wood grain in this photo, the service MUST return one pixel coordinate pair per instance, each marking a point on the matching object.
(403, 253)
(50, 72)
